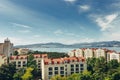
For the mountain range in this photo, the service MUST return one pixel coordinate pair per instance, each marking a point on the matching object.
(77, 45)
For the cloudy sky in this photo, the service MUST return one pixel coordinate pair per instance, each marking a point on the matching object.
(64, 21)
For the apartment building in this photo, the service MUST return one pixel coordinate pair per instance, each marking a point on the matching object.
(72, 53)
(3, 59)
(95, 52)
(62, 66)
(88, 53)
(99, 53)
(21, 60)
(113, 55)
(79, 53)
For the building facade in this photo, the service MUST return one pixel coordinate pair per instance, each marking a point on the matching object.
(88, 53)
(99, 53)
(62, 66)
(6, 48)
(21, 60)
(96, 53)
(113, 56)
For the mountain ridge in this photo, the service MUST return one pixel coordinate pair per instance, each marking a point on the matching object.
(75, 45)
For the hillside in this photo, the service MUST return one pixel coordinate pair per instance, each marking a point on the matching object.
(77, 45)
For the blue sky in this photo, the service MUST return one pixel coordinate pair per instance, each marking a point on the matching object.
(64, 21)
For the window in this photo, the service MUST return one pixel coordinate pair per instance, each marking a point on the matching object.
(77, 65)
(65, 65)
(72, 72)
(19, 65)
(38, 60)
(19, 62)
(56, 68)
(81, 65)
(72, 69)
(56, 72)
(50, 73)
(61, 72)
(38, 63)
(61, 68)
(24, 62)
(81, 69)
(77, 69)
(50, 68)
(38, 66)
(72, 65)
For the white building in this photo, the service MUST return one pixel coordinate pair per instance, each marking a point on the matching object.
(71, 53)
(88, 53)
(21, 60)
(113, 55)
(99, 53)
(62, 66)
(79, 53)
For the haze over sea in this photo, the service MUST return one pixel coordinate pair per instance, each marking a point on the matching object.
(66, 50)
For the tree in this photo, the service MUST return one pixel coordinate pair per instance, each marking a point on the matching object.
(86, 75)
(113, 64)
(28, 74)
(7, 71)
(19, 74)
(15, 53)
(31, 62)
(57, 77)
(116, 76)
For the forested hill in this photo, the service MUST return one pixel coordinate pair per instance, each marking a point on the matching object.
(77, 45)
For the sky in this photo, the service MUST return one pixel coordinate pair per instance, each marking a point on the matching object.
(64, 21)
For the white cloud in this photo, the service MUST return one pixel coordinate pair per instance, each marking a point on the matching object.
(36, 36)
(24, 31)
(70, 1)
(72, 41)
(20, 25)
(84, 7)
(57, 32)
(105, 22)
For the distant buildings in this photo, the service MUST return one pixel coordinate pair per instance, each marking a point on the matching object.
(95, 52)
(21, 50)
(6, 48)
(75, 63)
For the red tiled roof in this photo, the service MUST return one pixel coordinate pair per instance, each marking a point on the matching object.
(64, 60)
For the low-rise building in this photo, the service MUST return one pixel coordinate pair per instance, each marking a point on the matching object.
(62, 66)
(21, 60)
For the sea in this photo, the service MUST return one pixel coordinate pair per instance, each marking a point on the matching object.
(66, 50)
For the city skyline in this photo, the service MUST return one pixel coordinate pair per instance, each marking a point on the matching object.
(64, 21)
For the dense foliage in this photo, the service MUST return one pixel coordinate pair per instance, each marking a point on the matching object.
(98, 69)
(51, 54)
(7, 71)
